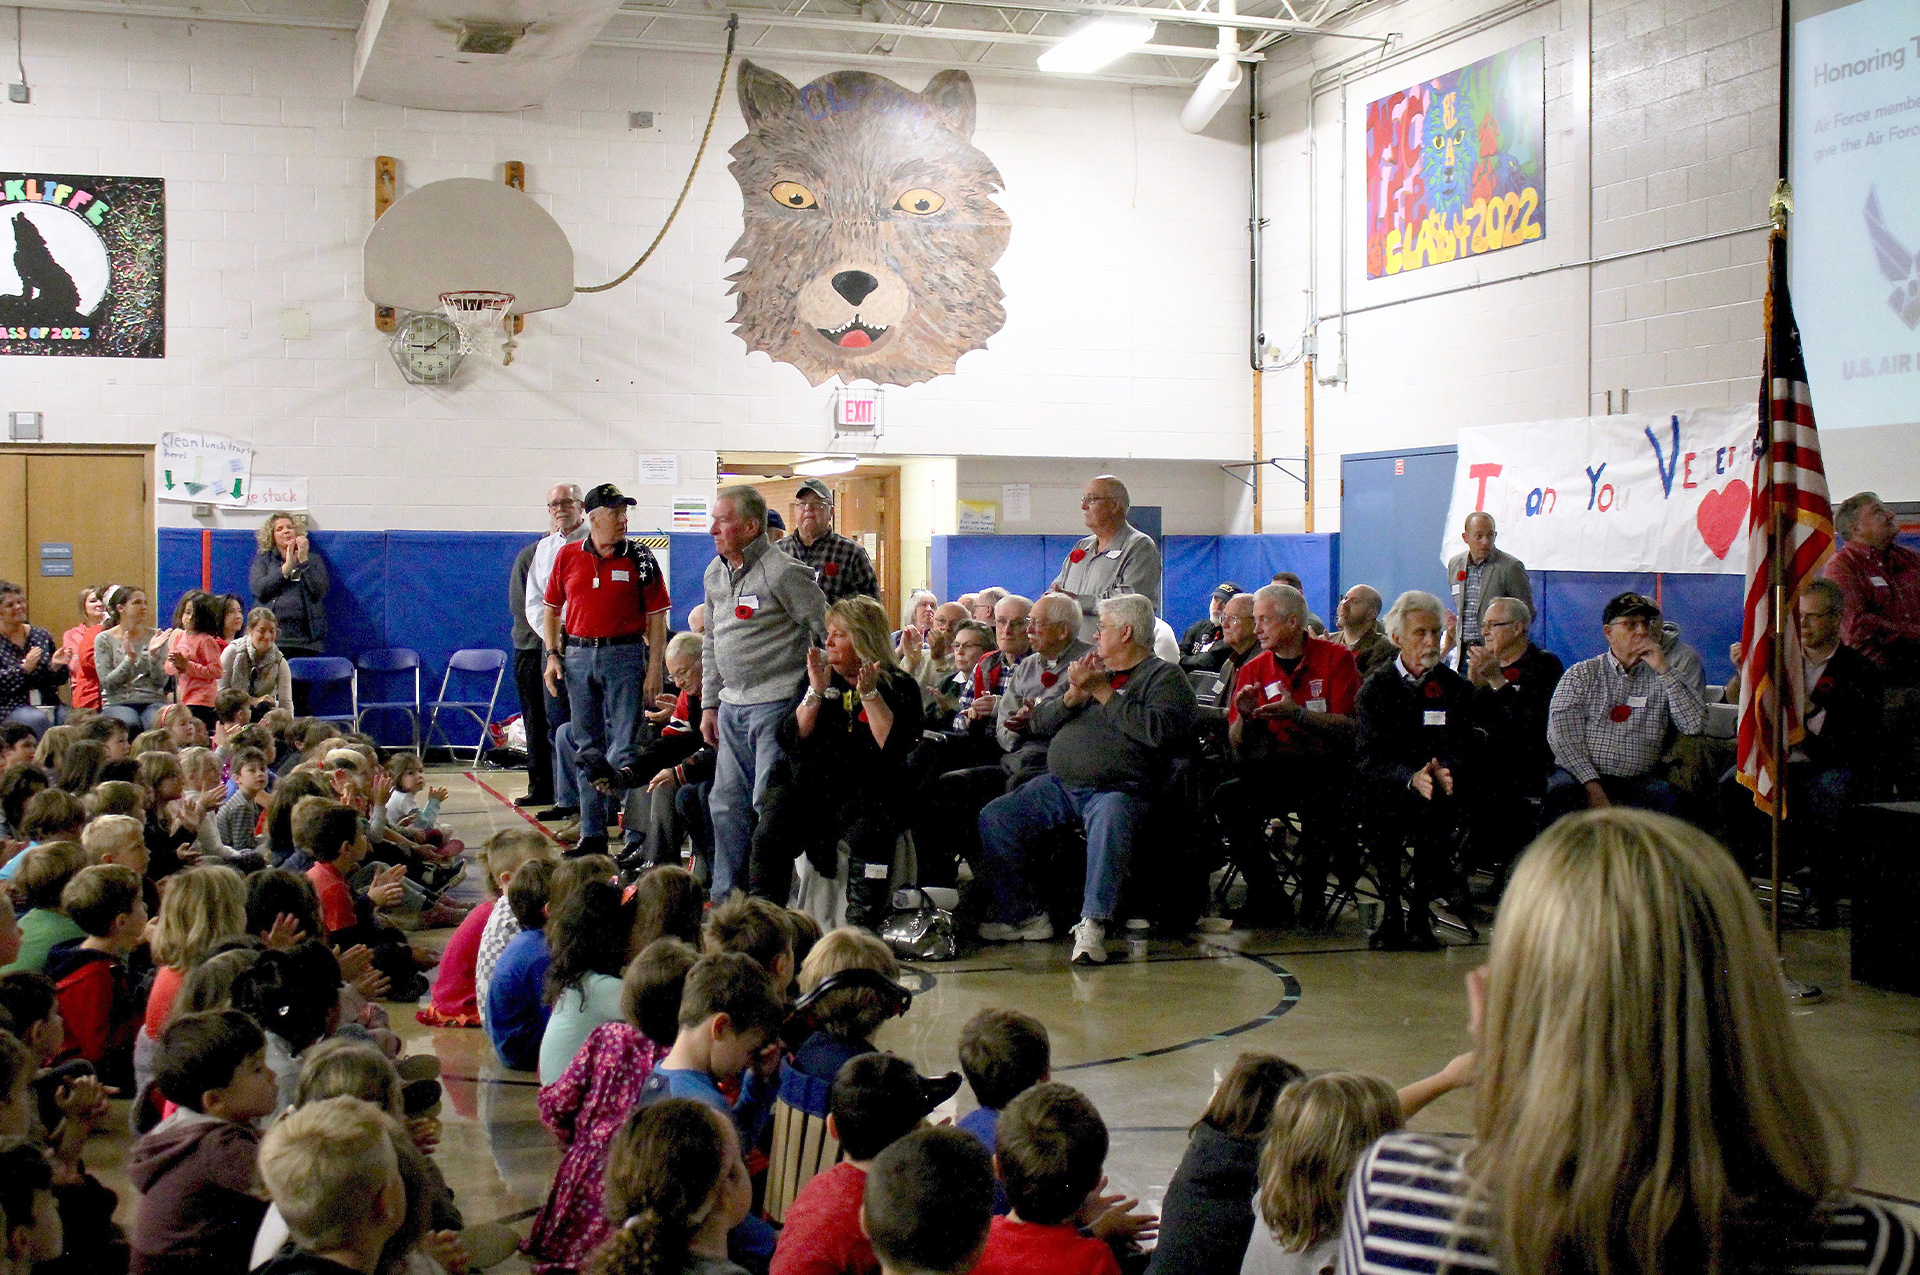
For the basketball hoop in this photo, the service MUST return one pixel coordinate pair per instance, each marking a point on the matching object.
(475, 310)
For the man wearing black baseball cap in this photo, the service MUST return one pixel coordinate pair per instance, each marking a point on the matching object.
(1203, 633)
(615, 601)
(840, 567)
(1610, 715)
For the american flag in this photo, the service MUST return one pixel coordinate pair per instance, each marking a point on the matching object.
(1791, 517)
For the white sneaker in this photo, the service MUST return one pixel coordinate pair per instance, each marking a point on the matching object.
(1089, 942)
(1035, 929)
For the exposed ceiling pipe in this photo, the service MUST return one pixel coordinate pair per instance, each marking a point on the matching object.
(1220, 81)
(1189, 17)
(975, 35)
(885, 60)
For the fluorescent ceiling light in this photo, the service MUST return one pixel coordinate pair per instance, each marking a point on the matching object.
(826, 465)
(1094, 43)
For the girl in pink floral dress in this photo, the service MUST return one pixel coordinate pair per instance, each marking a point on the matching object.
(590, 1102)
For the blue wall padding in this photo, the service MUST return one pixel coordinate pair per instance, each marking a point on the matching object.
(1706, 607)
(688, 554)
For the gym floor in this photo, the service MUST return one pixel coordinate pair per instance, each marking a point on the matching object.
(1147, 1035)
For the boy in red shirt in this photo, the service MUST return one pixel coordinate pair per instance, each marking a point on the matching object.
(1052, 1144)
(876, 1099)
(929, 1199)
(331, 834)
(96, 991)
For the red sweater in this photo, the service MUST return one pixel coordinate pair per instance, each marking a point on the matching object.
(822, 1235)
(1027, 1248)
(453, 987)
(336, 900)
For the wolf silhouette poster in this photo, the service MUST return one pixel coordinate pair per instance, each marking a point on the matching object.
(871, 230)
(1456, 165)
(83, 265)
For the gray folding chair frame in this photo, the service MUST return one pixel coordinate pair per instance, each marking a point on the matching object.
(389, 661)
(455, 664)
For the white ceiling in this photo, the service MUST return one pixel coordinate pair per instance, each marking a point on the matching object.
(407, 47)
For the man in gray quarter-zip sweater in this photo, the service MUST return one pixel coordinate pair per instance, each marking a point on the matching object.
(763, 612)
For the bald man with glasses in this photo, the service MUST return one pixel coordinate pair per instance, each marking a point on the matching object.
(543, 712)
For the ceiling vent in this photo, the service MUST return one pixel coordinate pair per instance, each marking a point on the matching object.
(445, 56)
(490, 37)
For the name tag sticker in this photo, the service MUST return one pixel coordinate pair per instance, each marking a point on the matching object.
(749, 599)
(1434, 717)
(1636, 701)
(1271, 690)
(1878, 582)
(1316, 706)
(1112, 553)
(622, 576)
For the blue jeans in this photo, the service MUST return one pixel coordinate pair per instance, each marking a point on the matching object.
(1009, 824)
(35, 719)
(748, 749)
(566, 746)
(606, 689)
(138, 717)
(1567, 795)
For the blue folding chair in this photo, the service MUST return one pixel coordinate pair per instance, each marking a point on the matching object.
(472, 662)
(319, 672)
(389, 662)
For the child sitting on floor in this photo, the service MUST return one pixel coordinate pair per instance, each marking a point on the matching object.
(413, 818)
(240, 823)
(199, 1202)
(1053, 1145)
(332, 1170)
(96, 989)
(929, 1201)
(515, 846)
(844, 1017)
(591, 1100)
(329, 833)
(43, 875)
(517, 1005)
(677, 1181)
(1320, 1126)
(456, 988)
(757, 928)
(201, 909)
(1003, 1053)
(32, 1238)
(876, 1100)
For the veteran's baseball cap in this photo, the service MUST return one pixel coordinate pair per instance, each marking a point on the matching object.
(606, 494)
(1630, 604)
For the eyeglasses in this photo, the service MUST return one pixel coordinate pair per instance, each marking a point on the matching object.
(1815, 615)
(558, 505)
(1010, 624)
(1095, 500)
(1501, 624)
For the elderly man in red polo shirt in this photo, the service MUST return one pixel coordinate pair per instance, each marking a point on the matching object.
(615, 602)
(1881, 583)
(1291, 725)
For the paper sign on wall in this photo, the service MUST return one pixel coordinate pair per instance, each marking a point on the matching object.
(209, 468)
(276, 493)
(1016, 501)
(977, 517)
(659, 468)
(692, 513)
(1612, 493)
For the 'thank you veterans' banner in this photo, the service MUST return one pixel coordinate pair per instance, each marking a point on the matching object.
(1633, 492)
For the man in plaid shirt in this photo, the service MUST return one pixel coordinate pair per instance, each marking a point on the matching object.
(840, 567)
(1610, 715)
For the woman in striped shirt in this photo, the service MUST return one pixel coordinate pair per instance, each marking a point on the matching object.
(1644, 1106)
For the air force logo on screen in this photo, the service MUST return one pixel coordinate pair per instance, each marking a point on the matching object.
(1899, 263)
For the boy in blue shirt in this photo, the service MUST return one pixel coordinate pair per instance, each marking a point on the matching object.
(517, 1005)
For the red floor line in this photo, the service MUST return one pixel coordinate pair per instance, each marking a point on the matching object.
(500, 797)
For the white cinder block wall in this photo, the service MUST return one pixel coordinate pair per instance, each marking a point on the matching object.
(1661, 126)
(1126, 280)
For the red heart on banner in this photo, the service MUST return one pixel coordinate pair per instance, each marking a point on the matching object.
(1722, 515)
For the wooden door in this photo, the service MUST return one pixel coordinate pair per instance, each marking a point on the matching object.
(96, 503)
(864, 514)
(13, 526)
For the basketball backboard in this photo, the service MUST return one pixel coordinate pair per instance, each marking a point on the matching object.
(465, 233)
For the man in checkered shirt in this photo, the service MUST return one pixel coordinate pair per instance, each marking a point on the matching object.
(1610, 716)
(840, 567)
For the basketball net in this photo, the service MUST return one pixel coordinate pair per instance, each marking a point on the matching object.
(473, 312)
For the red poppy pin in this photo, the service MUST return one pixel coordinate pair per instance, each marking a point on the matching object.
(743, 613)
(831, 570)
(1511, 672)
(1459, 575)
(1823, 687)
(1076, 555)
(861, 715)
(1119, 680)
(1620, 712)
(1435, 690)
(1049, 678)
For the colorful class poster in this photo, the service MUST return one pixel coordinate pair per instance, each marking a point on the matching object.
(83, 265)
(1456, 165)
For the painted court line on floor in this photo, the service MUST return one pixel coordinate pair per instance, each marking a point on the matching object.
(500, 797)
(1289, 998)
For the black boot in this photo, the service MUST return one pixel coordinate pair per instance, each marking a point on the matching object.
(869, 897)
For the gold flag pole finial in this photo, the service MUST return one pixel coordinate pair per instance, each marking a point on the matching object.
(1781, 204)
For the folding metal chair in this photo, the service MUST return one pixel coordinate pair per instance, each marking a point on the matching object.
(389, 662)
(474, 661)
(319, 672)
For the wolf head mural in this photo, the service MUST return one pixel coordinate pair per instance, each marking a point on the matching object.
(871, 230)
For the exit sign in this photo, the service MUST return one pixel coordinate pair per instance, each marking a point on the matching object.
(856, 408)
